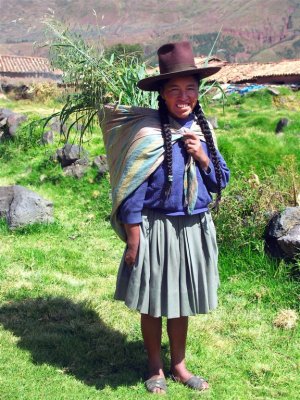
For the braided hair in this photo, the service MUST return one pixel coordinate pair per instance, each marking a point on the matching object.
(167, 136)
(202, 122)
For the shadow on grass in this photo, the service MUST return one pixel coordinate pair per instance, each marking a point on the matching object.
(72, 337)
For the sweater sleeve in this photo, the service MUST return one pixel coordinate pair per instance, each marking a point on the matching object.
(209, 176)
(130, 211)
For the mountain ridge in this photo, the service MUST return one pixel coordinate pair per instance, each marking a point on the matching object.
(255, 30)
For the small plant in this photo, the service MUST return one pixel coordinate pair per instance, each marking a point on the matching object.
(98, 77)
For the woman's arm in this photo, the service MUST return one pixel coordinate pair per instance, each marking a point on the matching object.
(130, 214)
(133, 241)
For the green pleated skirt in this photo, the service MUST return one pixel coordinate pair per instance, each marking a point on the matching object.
(175, 273)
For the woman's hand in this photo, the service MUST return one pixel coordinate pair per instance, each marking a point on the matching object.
(194, 148)
(130, 255)
(133, 242)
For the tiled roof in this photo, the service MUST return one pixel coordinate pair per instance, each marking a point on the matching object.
(250, 71)
(234, 73)
(20, 64)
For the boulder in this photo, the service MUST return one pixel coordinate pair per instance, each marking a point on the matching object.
(14, 121)
(71, 153)
(55, 125)
(22, 206)
(10, 121)
(77, 169)
(48, 137)
(282, 234)
(6, 198)
(100, 162)
(5, 112)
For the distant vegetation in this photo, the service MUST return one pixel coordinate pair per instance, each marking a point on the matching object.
(120, 49)
(227, 45)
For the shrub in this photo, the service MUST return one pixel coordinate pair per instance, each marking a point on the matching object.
(250, 203)
(44, 91)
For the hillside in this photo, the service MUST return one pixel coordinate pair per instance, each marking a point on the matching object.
(264, 31)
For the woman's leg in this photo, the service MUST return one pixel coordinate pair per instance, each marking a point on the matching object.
(152, 331)
(177, 331)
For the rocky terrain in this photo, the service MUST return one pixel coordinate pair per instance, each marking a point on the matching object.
(255, 30)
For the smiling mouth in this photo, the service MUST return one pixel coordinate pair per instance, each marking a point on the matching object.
(182, 105)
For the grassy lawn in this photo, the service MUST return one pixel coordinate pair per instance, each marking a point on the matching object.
(63, 336)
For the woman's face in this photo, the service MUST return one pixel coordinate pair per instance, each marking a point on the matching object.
(180, 95)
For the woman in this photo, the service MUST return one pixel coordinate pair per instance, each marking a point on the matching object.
(169, 267)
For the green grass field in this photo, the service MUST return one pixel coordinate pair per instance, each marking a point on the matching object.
(62, 335)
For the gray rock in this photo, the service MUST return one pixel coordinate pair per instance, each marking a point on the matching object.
(283, 234)
(55, 125)
(22, 206)
(48, 137)
(78, 127)
(71, 153)
(10, 121)
(14, 121)
(77, 169)
(273, 91)
(6, 197)
(281, 124)
(290, 243)
(5, 112)
(214, 122)
(3, 122)
(58, 156)
(100, 162)
(82, 161)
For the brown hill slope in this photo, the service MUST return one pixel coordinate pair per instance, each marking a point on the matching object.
(248, 28)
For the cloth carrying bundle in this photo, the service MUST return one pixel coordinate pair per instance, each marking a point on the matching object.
(135, 148)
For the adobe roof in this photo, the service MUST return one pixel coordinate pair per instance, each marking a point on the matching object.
(234, 73)
(23, 64)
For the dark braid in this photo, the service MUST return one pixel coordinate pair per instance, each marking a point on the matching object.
(167, 135)
(202, 122)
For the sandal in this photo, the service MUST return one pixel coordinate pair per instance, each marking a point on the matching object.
(195, 382)
(156, 383)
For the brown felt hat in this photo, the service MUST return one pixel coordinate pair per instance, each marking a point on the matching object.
(175, 59)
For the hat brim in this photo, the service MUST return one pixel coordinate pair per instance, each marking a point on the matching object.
(153, 83)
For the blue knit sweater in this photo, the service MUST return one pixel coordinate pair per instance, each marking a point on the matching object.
(150, 194)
